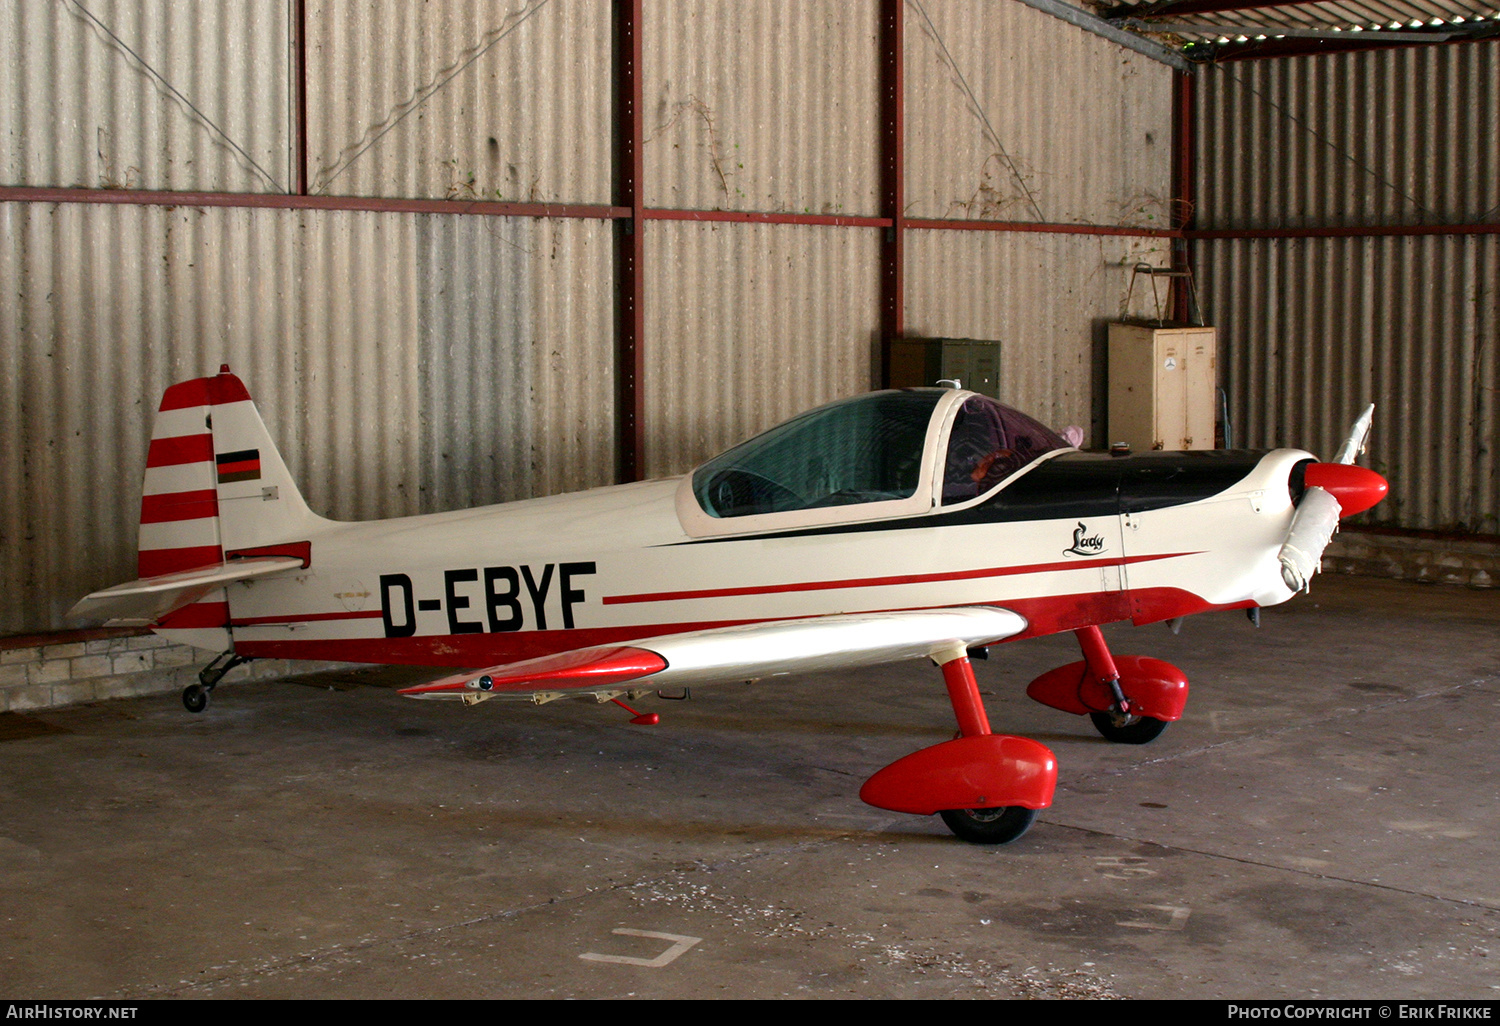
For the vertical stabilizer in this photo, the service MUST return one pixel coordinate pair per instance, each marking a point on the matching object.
(215, 485)
(259, 504)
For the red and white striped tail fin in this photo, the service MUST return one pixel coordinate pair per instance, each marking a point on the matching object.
(215, 485)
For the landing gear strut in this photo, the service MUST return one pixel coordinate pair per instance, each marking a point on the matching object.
(195, 696)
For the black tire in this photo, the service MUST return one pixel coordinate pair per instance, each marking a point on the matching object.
(1136, 730)
(989, 826)
(195, 698)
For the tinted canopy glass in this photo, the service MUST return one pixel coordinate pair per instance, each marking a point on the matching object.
(859, 450)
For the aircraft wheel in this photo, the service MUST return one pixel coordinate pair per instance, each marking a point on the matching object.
(195, 698)
(989, 826)
(1135, 730)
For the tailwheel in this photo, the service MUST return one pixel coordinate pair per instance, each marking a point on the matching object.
(989, 826)
(1127, 730)
(195, 698)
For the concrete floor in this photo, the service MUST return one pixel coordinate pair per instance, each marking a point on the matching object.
(1323, 823)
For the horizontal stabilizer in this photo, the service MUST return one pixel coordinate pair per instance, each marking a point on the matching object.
(141, 603)
(746, 652)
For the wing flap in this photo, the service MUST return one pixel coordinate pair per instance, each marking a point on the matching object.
(746, 652)
(141, 603)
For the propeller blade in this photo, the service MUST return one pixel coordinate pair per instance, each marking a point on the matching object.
(1359, 434)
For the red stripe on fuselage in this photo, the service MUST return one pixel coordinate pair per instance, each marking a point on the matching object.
(171, 452)
(364, 614)
(172, 506)
(464, 649)
(882, 582)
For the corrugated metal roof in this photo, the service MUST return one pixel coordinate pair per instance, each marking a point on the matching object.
(1215, 29)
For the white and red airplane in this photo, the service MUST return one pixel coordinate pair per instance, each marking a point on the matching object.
(924, 523)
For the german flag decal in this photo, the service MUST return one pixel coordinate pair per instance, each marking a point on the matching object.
(238, 466)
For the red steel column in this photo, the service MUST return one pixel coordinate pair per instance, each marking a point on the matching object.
(630, 319)
(892, 42)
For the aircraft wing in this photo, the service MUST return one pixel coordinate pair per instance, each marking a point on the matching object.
(746, 652)
(141, 603)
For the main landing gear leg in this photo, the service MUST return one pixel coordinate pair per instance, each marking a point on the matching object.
(981, 826)
(195, 696)
(986, 786)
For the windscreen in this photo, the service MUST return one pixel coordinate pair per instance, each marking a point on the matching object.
(859, 450)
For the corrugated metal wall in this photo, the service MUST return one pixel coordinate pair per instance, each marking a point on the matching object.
(403, 363)
(146, 94)
(412, 362)
(517, 364)
(1312, 329)
(1048, 298)
(761, 105)
(750, 324)
(1385, 137)
(1013, 115)
(466, 99)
